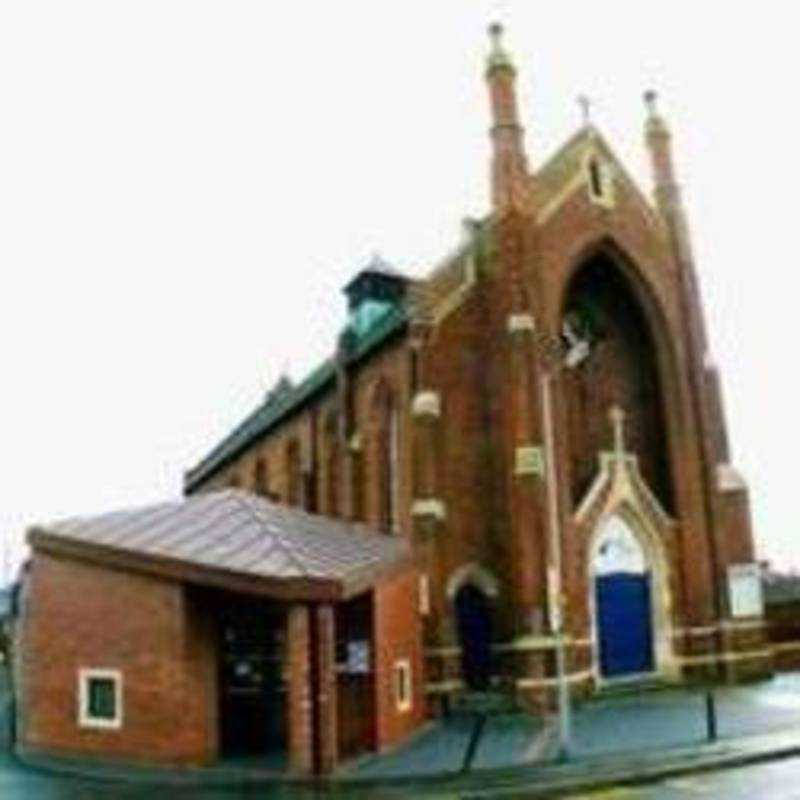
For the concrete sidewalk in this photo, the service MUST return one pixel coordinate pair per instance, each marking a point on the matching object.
(628, 739)
(580, 775)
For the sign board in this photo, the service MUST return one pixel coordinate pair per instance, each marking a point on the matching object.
(529, 461)
(744, 590)
(358, 657)
(553, 599)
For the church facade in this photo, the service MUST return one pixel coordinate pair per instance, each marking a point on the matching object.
(531, 439)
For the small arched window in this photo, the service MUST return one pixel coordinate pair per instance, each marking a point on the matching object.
(596, 179)
(387, 448)
(261, 478)
(293, 476)
(332, 465)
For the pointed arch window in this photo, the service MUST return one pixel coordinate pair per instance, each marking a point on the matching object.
(595, 178)
(599, 180)
(387, 450)
(332, 465)
(293, 475)
(261, 478)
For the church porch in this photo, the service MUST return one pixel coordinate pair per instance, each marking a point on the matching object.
(220, 630)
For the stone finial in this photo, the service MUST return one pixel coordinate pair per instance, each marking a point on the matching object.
(650, 101)
(617, 417)
(495, 35)
(498, 57)
(655, 122)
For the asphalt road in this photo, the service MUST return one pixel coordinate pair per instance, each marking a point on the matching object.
(776, 780)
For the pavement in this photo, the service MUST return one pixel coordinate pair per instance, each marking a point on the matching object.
(634, 723)
(778, 780)
(619, 743)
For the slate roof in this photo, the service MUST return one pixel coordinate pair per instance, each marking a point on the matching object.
(236, 540)
(548, 179)
(275, 409)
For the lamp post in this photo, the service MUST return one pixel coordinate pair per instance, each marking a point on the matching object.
(554, 357)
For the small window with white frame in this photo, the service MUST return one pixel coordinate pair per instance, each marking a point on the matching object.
(424, 594)
(100, 698)
(598, 178)
(402, 684)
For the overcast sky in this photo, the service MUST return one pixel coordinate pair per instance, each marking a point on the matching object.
(186, 186)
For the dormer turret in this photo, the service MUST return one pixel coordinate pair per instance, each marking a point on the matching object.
(375, 291)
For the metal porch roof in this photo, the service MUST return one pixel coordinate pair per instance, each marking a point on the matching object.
(236, 540)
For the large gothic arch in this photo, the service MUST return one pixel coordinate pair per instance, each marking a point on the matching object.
(622, 354)
(650, 296)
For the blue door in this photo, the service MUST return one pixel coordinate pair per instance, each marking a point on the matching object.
(623, 623)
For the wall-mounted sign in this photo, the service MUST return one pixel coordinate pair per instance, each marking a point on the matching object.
(745, 591)
(358, 657)
(529, 461)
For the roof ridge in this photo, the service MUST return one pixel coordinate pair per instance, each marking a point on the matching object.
(277, 540)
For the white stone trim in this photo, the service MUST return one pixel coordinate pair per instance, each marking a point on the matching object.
(526, 644)
(473, 574)
(747, 624)
(711, 658)
(426, 404)
(443, 687)
(455, 298)
(424, 594)
(85, 720)
(543, 683)
(726, 624)
(529, 460)
(707, 630)
(729, 479)
(785, 647)
(657, 564)
(403, 685)
(355, 443)
(518, 323)
(443, 652)
(429, 507)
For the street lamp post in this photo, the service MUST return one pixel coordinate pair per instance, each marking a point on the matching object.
(553, 358)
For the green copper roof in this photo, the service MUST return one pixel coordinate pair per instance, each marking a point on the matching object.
(277, 408)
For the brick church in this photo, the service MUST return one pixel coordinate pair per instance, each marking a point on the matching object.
(522, 454)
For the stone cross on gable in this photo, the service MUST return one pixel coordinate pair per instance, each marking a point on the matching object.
(586, 108)
(617, 416)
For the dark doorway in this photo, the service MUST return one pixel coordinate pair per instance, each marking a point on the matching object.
(355, 668)
(251, 683)
(475, 635)
(623, 623)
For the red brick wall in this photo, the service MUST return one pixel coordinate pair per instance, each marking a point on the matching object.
(494, 518)
(83, 616)
(301, 744)
(397, 636)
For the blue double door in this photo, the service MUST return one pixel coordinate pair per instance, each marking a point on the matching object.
(624, 624)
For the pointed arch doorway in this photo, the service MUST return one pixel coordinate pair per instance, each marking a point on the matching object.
(475, 636)
(473, 591)
(623, 602)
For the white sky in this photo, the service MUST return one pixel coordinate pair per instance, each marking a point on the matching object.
(186, 186)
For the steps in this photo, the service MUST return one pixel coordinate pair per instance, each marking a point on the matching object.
(635, 686)
(487, 703)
